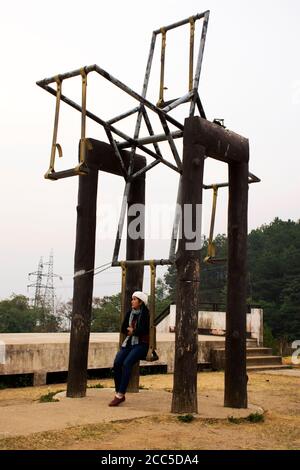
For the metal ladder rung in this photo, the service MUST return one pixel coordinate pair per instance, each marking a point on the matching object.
(57, 175)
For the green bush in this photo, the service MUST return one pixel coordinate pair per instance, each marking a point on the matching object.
(186, 418)
(49, 397)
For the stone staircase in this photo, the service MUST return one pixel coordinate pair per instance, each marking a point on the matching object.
(258, 358)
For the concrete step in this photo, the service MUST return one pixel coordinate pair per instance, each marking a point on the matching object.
(259, 351)
(251, 343)
(267, 367)
(251, 351)
(258, 356)
(263, 360)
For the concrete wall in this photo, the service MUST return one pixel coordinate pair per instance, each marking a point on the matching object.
(256, 326)
(215, 323)
(2, 352)
(168, 324)
(49, 352)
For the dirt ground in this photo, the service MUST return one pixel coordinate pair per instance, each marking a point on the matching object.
(278, 395)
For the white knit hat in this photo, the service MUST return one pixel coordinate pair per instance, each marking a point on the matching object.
(142, 296)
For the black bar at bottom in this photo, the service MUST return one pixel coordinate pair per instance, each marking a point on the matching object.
(139, 458)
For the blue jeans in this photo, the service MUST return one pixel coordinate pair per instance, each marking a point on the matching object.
(124, 361)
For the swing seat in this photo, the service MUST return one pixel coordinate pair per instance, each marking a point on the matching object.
(214, 260)
(152, 356)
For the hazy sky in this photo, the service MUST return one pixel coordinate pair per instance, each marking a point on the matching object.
(250, 77)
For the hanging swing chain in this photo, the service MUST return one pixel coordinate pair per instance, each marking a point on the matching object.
(211, 247)
(123, 295)
(152, 313)
(162, 67)
(191, 65)
(151, 355)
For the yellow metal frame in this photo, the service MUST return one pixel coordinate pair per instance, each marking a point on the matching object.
(81, 168)
(123, 288)
(161, 102)
(55, 145)
(152, 355)
(191, 64)
(211, 249)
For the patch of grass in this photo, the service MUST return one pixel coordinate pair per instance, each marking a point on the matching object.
(252, 418)
(49, 397)
(255, 418)
(57, 439)
(185, 418)
(95, 386)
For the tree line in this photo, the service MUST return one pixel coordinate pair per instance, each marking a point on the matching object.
(273, 283)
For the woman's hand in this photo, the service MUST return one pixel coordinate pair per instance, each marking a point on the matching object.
(129, 331)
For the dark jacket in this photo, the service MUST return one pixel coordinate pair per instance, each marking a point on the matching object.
(142, 326)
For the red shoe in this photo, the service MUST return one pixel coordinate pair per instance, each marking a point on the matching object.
(116, 401)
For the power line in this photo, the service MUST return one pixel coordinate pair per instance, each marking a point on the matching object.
(44, 297)
(49, 294)
(38, 298)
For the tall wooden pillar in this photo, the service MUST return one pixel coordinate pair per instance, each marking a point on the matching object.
(235, 362)
(101, 156)
(135, 249)
(83, 284)
(188, 276)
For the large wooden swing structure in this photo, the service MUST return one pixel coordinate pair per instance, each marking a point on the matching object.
(201, 139)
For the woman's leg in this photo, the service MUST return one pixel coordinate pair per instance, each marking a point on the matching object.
(137, 352)
(118, 366)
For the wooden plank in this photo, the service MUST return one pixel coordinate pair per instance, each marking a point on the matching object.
(103, 158)
(220, 144)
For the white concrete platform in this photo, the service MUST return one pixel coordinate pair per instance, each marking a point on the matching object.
(42, 353)
(41, 338)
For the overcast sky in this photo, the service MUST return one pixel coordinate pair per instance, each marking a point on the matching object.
(250, 78)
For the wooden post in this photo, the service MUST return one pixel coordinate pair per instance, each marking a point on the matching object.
(100, 157)
(235, 361)
(225, 145)
(135, 250)
(188, 268)
(83, 284)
